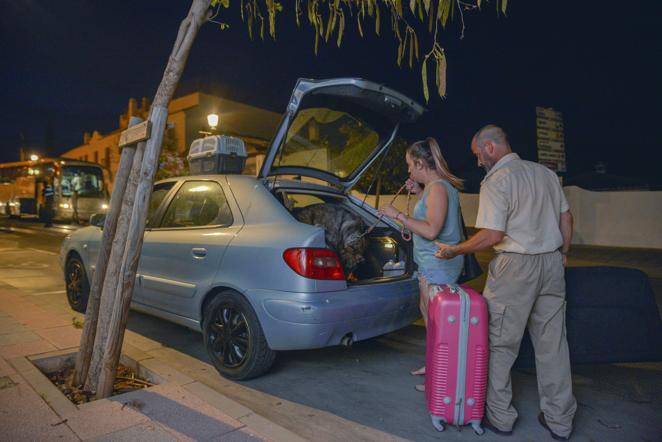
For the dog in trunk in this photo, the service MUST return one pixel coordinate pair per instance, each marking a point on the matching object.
(343, 231)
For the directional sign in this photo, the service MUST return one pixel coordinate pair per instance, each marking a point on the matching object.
(550, 138)
(548, 145)
(547, 134)
(551, 156)
(546, 123)
(548, 112)
(135, 134)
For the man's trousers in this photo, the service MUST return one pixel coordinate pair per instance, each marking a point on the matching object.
(528, 291)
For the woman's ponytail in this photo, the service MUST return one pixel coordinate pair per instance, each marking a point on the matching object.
(429, 152)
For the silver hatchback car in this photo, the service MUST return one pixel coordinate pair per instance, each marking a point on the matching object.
(224, 254)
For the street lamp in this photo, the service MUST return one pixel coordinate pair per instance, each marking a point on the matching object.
(212, 120)
(34, 157)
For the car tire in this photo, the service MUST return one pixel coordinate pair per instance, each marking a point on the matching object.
(76, 284)
(234, 339)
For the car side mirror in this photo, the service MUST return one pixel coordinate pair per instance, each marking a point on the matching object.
(98, 219)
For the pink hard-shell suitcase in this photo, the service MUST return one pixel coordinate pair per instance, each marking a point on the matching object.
(456, 359)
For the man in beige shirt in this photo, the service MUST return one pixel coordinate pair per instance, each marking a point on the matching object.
(524, 215)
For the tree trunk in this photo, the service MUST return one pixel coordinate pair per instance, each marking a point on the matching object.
(114, 313)
(92, 313)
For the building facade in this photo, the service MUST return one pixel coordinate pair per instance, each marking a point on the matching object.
(187, 118)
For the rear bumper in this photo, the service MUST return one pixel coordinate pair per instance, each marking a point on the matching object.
(297, 321)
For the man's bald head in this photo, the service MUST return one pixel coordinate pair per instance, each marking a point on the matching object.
(491, 133)
(490, 144)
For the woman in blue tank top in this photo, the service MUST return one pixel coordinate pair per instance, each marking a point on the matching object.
(436, 218)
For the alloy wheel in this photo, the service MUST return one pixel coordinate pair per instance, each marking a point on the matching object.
(75, 282)
(229, 336)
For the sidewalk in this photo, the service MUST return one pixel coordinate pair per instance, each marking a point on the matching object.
(193, 402)
(177, 409)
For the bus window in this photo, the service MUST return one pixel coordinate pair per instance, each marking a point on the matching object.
(87, 180)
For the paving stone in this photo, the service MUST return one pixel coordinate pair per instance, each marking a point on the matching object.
(276, 433)
(24, 416)
(62, 337)
(242, 435)
(223, 403)
(140, 342)
(166, 372)
(43, 386)
(147, 432)
(188, 365)
(26, 349)
(5, 368)
(181, 412)
(10, 325)
(101, 417)
(134, 353)
(48, 321)
(18, 338)
(30, 313)
(6, 382)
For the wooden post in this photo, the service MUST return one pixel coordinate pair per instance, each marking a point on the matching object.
(118, 310)
(92, 312)
(126, 277)
(111, 279)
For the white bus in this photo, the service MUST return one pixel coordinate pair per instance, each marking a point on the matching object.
(21, 185)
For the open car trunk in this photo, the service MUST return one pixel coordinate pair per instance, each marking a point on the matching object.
(386, 256)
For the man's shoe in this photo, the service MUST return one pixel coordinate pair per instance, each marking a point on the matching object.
(543, 422)
(487, 424)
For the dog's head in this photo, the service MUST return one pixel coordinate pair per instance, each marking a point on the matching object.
(353, 244)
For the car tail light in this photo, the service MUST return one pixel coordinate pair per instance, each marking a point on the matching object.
(314, 263)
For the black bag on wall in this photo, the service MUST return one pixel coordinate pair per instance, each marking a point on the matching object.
(611, 316)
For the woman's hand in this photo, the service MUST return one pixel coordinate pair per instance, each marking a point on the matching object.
(389, 211)
(445, 251)
(412, 186)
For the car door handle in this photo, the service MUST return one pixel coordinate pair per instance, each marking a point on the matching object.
(199, 252)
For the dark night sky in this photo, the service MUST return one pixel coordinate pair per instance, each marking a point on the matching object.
(70, 66)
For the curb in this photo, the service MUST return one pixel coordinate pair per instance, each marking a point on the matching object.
(153, 368)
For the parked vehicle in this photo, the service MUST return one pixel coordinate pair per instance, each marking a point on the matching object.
(21, 185)
(223, 254)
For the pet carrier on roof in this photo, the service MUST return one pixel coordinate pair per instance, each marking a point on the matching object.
(217, 154)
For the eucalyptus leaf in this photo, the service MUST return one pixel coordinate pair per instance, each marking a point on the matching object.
(341, 30)
(424, 79)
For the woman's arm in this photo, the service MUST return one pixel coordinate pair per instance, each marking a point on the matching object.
(437, 206)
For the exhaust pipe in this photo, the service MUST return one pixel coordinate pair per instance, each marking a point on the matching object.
(347, 340)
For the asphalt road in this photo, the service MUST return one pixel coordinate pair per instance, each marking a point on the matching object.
(368, 384)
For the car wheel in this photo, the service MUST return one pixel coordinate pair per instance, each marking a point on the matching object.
(234, 338)
(77, 285)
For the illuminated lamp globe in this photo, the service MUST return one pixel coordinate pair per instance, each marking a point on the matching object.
(212, 120)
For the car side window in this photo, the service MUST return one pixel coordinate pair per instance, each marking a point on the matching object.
(158, 194)
(197, 204)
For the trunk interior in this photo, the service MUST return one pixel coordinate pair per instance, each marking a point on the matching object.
(386, 257)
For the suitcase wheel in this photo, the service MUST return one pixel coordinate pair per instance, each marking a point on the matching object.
(438, 423)
(477, 428)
